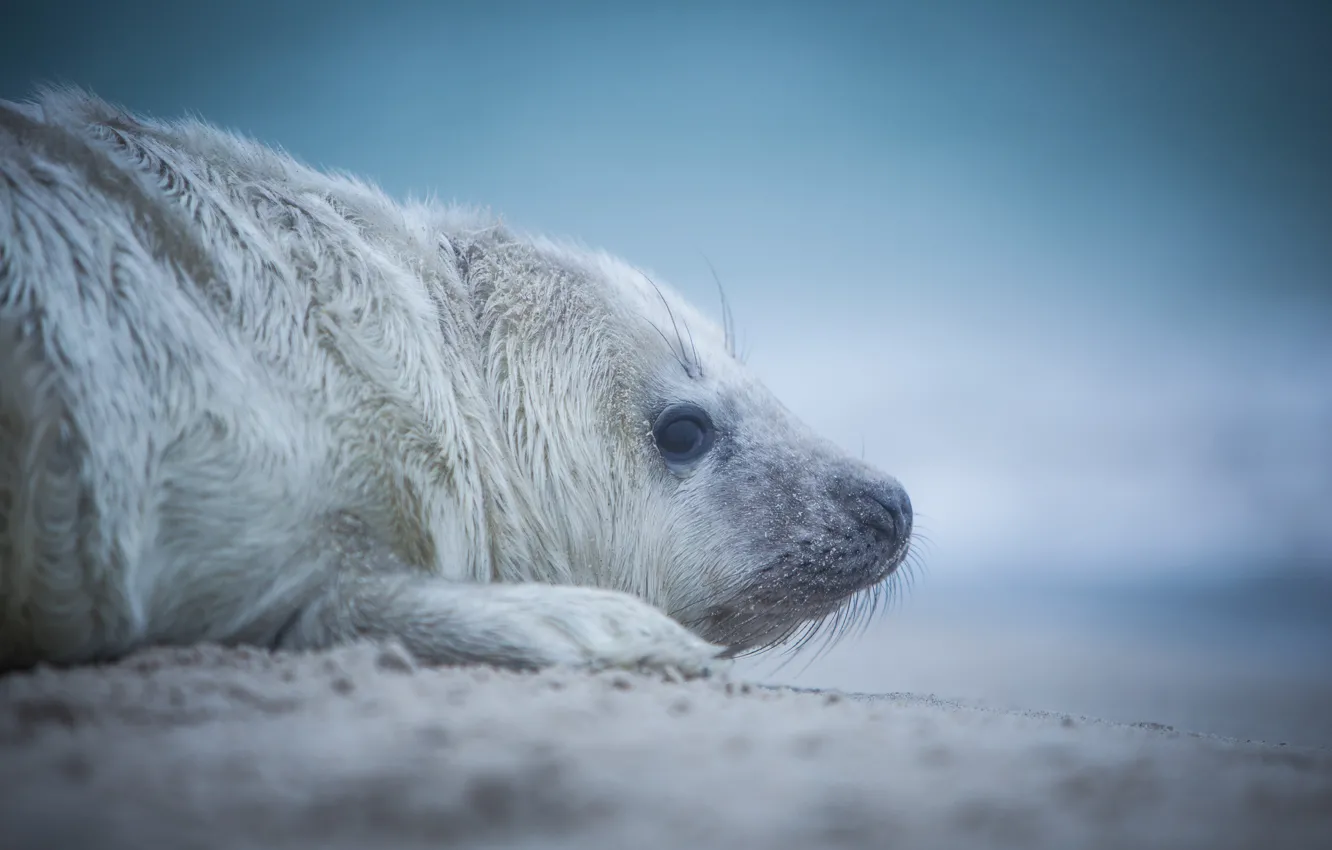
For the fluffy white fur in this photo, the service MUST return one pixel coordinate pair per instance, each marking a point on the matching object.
(248, 402)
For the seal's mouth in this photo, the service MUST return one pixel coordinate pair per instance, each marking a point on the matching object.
(770, 612)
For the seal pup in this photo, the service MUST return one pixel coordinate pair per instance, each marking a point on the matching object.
(245, 401)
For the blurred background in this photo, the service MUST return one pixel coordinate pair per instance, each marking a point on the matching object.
(1065, 268)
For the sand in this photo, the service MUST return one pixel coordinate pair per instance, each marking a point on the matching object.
(362, 748)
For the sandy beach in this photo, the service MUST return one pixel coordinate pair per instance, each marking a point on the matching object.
(360, 747)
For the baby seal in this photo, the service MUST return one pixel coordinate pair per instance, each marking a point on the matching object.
(243, 401)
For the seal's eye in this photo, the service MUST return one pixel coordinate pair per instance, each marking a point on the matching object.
(683, 433)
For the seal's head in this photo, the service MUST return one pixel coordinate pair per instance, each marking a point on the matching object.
(664, 466)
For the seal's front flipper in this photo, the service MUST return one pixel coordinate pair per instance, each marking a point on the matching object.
(524, 626)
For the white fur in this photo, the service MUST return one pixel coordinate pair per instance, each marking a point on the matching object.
(245, 401)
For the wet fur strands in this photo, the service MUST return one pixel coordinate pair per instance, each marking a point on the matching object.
(243, 401)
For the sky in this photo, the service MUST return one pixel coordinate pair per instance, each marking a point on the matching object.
(1065, 268)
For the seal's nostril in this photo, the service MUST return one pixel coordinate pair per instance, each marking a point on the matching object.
(906, 516)
(893, 499)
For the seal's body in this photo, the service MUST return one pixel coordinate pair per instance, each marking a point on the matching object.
(248, 402)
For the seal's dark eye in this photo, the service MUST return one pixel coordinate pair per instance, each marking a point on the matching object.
(683, 433)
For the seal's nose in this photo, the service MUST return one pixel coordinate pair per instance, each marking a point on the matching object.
(892, 514)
